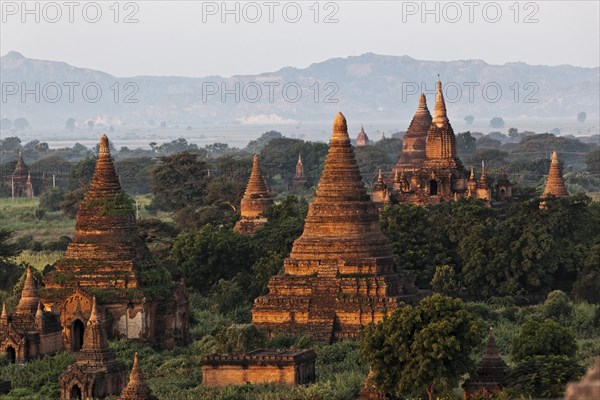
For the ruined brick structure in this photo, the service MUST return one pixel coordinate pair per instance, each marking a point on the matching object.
(31, 331)
(369, 391)
(96, 373)
(555, 184)
(107, 259)
(490, 375)
(588, 387)
(20, 180)
(340, 275)
(362, 139)
(299, 180)
(285, 367)
(136, 388)
(255, 202)
(429, 170)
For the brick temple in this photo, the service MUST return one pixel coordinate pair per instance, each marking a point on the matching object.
(340, 275)
(299, 180)
(108, 260)
(362, 139)
(255, 202)
(284, 367)
(136, 388)
(490, 376)
(30, 331)
(20, 180)
(429, 170)
(96, 373)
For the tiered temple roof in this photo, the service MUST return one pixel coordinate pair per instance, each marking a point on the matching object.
(362, 139)
(256, 201)
(136, 388)
(21, 179)
(340, 274)
(555, 184)
(413, 142)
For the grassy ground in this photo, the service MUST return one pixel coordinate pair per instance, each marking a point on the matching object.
(19, 215)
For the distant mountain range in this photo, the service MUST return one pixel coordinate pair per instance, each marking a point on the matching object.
(368, 87)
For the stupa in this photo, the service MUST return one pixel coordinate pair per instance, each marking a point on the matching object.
(413, 142)
(362, 139)
(340, 275)
(299, 180)
(255, 202)
(136, 388)
(20, 180)
(555, 184)
(491, 372)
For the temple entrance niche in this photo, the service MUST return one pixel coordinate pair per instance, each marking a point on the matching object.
(502, 194)
(11, 354)
(77, 329)
(433, 188)
(76, 393)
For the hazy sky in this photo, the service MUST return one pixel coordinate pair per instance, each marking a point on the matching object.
(189, 38)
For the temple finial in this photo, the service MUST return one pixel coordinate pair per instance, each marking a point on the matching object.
(439, 112)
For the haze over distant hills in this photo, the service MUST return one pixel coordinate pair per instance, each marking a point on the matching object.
(368, 87)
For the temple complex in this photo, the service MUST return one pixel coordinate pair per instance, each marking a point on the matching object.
(490, 375)
(362, 139)
(20, 180)
(299, 180)
(255, 202)
(429, 170)
(108, 260)
(96, 373)
(31, 331)
(588, 387)
(136, 388)
(555, 184)
(340, 275)
(285, 367)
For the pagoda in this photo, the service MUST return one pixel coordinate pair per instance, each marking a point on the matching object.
(555, 184)
(340, 275)
(21, 179)
(136, 388)
(491, 372)
(362, 139)
(299, 180)
(588, 387)
(107, 259)
(255, 202)
(31, 331)
(96, 372)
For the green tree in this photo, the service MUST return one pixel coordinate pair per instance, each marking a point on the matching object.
(209, 254)
(9, 272)
(544, 352)
(423, 348)
(557, 306)
(179, 181)
(592, 162)
(465, 143)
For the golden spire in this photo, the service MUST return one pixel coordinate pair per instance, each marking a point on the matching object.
(379, 177)
(4, 313)
(396, 177)
(40, 312)
(472, 177)
(340, 128)
(439, 112)
(94, 314)
(103, 148)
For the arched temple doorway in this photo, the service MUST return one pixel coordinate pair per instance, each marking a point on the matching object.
(76, 393)
(433, 188)
(11, 354)
(77, 329)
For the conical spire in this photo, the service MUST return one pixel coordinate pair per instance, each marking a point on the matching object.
(4, 313)
(95, 342)
(40, 311)
(342, 221)
(492, 368)
(299, 168)
(439, 112)
(472, 177)
(396, 176)
(136, 388)
(256, 199)
(21, 167)
(555, 184)
(29, 300)
(441, 142)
